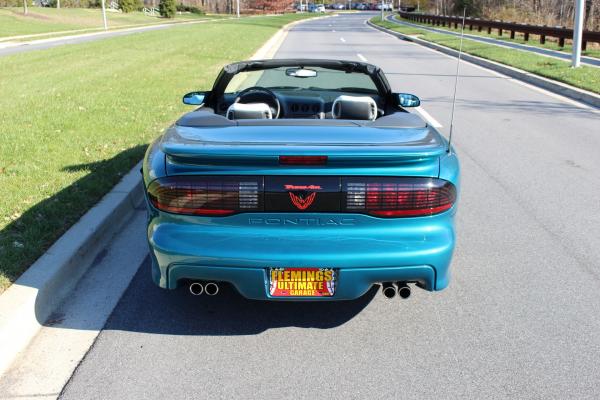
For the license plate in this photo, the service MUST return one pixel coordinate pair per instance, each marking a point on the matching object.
(302, 282)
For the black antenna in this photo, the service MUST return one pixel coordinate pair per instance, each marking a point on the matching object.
(462, 33)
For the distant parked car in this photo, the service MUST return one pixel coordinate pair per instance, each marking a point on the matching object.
(362, 7)
(339, 6)
(316, 8)
(302, 7)
(386, 7)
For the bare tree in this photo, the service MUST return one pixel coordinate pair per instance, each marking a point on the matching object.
(550, 12)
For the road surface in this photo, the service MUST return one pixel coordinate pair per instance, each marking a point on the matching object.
(519, 320)
(43, 44)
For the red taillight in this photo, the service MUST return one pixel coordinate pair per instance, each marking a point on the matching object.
(387, 197)
(208, 196)
(302, 160)
(399, 197)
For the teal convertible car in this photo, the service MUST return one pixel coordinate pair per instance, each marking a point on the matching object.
(301, 180)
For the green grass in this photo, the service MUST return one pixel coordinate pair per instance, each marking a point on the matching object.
(42, 20)
(584, 77)
(519, 38)
(74, 119)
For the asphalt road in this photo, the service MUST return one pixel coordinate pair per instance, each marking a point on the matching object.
(42, 44)
(519, 320)
(591, 61)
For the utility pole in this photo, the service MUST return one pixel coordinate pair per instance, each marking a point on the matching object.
(382, 10)
(104, 15)
(237, 4)
(57, 4)
(24, 6)
(577, 33)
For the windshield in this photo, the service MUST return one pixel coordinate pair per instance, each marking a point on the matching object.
(308, 79)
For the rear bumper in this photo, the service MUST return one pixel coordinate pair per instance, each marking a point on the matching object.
(240, 248)
(253, 283)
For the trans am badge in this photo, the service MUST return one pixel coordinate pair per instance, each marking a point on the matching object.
(301, 202)
(300, 195)
(302, 282)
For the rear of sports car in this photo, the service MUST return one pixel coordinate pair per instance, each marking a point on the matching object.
(301, 212)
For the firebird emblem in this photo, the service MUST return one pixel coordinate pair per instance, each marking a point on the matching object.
(301, 202)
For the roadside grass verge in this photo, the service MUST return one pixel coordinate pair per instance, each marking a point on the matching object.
(584, 77)
(41, 20)
(74, 119)
(519, 38)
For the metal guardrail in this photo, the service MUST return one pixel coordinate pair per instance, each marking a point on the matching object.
(152, 11)
(560, 33)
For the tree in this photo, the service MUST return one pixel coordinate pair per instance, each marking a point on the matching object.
(129, 5)
(167, 8)
(469, 5)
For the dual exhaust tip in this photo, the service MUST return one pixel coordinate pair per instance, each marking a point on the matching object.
(210, 288)
(390, 289)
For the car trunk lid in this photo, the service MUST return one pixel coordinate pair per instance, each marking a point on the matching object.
(350, 149)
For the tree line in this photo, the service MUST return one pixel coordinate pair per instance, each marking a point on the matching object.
(539, 12)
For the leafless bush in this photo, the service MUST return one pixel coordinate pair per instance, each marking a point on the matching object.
(542, 12)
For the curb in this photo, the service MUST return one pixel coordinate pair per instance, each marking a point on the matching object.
(563, 89)
(585, 60)
(29, 302)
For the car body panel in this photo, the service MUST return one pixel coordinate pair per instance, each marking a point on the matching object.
(238, 249)
(208, 247)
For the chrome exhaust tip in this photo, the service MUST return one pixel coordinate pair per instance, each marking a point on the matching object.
(196, 288)
(403, 290)
(211, 288)
(388, 290)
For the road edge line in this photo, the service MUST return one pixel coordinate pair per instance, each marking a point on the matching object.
(571, 92)
(268, 50)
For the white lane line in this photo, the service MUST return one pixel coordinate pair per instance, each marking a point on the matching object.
(343, 40)
(361, 57)
(430, 120)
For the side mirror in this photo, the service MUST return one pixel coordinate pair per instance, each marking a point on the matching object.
(194, 98)
(407, 100)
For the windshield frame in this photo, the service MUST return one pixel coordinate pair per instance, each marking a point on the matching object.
(325, 79)
(229, 71)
